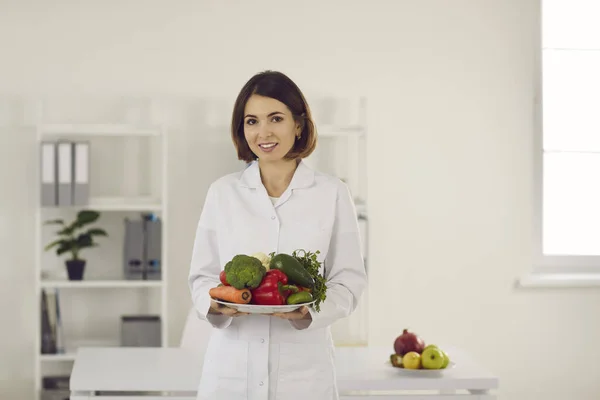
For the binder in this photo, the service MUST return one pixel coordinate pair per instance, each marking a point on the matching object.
(48, 174)
(142, 248)
(65, 173)
(58, 328)
(133, 249)
(154, 248)
(81, 165)
(48, 345)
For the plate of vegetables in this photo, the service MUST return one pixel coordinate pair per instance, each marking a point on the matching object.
(274, 283)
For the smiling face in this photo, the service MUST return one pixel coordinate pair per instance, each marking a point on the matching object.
(269, 128)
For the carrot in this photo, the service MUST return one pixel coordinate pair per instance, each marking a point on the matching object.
(231, 294)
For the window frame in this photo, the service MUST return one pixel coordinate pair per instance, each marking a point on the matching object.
(550, 270)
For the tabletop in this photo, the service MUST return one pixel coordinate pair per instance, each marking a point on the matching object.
(130, 369)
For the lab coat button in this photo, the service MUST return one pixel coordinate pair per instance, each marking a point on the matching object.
(260, 383)
(273, 217)
(262, 340)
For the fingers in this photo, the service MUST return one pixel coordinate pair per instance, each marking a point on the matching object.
(298, 314)
(239, 314)
(225, 310)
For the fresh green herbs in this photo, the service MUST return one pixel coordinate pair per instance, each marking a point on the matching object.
(311, 263)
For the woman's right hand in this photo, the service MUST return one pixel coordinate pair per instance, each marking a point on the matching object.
(222, 309)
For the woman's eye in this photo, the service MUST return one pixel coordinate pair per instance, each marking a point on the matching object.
(277, 118)
(250, 121)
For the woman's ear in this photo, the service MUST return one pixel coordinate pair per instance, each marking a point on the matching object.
(299, 125)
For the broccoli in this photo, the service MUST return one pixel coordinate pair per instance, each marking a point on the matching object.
(244, 272)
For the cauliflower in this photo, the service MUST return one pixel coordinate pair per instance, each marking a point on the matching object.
(264, 259)
(244, 272)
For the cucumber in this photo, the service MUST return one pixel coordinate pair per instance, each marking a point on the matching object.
(292, 268)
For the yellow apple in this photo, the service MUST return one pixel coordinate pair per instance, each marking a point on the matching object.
(412, 360)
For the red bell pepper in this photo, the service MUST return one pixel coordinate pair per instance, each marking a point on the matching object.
(273, 290)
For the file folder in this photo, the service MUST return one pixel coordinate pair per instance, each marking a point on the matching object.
(65, 173)
(142, 249)
(48, 174)
(133, 249)
(81, 156)
(154, 248)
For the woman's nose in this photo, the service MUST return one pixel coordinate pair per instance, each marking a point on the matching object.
(264, 130)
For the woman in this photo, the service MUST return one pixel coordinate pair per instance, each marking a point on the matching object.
(276, 204)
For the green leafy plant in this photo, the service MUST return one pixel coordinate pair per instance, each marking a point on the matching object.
(74, 237)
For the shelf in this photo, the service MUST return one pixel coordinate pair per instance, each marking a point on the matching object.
(119, 204)
(71, 351)
(66, 284)
(58, 357)
(111, 130)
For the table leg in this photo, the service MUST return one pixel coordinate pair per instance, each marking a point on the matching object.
(479, 391)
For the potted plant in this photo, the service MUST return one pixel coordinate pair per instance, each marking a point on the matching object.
(74, 238)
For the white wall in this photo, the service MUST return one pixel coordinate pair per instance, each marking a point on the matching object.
(450, 87)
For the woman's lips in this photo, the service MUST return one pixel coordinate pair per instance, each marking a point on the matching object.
(267, 147)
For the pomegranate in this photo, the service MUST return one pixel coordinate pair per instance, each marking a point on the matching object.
(408, 342)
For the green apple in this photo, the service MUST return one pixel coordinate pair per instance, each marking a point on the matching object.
(412, 360)
(432, 358)
(430, 345)
(446, 359)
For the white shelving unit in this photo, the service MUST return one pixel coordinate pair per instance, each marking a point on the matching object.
(341, 151)
(91, 309)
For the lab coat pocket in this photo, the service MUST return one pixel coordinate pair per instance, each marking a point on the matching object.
(306, 369)
(225, 370)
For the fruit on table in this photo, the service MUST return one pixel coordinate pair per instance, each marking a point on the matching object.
(295, 272)
(396, 360)
(432, 358)
(407, 342)
(412, 360)
(410, 344)
(446, 359)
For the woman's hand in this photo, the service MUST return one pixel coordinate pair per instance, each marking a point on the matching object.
(301, 313)
(222, 309)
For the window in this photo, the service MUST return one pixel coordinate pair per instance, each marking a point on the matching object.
(568, 167)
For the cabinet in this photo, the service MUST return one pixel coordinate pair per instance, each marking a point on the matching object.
(126, 174)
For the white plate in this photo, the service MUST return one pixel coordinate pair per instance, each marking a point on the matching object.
(258, 309)
(422, 372)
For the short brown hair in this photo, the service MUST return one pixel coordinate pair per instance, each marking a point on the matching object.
(278, 86)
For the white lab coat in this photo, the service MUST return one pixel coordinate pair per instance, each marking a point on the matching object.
(258, 357)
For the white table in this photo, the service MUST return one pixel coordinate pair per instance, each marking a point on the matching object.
(120, 373)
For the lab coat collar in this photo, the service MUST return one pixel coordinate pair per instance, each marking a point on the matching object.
(303, 177)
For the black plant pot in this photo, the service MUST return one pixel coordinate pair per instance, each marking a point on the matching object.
(75, 269)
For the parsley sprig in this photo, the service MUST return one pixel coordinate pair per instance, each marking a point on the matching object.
(310, 262)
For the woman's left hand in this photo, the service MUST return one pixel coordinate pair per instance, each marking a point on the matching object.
(301, 313)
